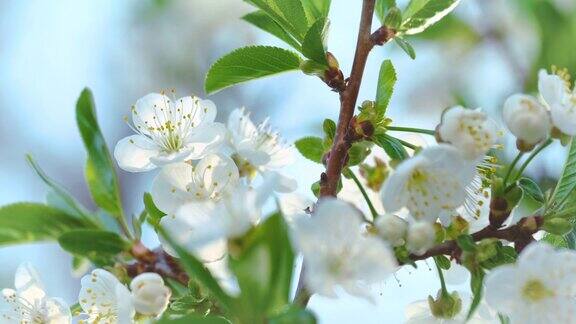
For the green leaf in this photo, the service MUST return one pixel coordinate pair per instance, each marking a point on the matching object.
(443, 262)
(405, 46)
(288, 14)
(329, 128)
(358, 152)
(314, 44)
(386, 82)
(393, 148)
(195, 269)
(249, 63)
(100, 172)
(393, 18)
(70, 204)
(293, 315)
(194, 318)
(263, 268)
(564, 195)
(315, 188)
(263, 21)
(466, 243)
(33, 222)
(531, 189)
(476, 281)
(382, 7)
(316, 9)
(311, 148)
(87, 242)
(294, 13)
(154, 214)
(421, 14)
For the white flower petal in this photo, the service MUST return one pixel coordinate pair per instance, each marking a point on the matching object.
(133, 153)
(169, 187)
(206, 139)
(163, 158)
(151, 111)
(240, 125)
(551, 88)
(282, 183)
(103, 295)
(28, 284)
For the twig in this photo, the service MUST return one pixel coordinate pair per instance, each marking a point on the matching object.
(516, 233)
(348, 97)
(156, 261)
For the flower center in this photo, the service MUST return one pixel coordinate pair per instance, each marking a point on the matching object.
(245, 168)
(534, 290)
(170, 124)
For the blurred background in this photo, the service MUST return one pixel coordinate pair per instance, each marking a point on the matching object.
(122, 50)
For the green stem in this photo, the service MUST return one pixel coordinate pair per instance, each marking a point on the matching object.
(441, 276)
(121, 220)
(408, 145)
(411, 130)
(364, 193)
(511, 167)
(530, 158)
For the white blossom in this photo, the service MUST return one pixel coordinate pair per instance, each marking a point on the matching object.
(526, 118)
(472, 132)
(421, 237)
(150, 295)
(197, 224)
(561, 100)
(392, 228)
(257, 149)
(28, 303)
(179, 183)
(539, 288)
(104, 299)
(429, 184)
(336, 251)
(168, 132)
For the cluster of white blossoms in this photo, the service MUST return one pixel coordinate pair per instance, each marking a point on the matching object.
(338, 252)
(208, 169)
(532, 119)
(539, 288)
(437, 181)
(102, 298)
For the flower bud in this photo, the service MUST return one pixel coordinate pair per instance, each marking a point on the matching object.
(149, 294)
(310, 67)
(392, 228)
(527, 119)
(445, 306)
(469, 130)
(421, 236)
(558, 226)
(375, 175)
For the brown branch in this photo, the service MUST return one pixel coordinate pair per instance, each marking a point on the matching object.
(349, 95)
(156, 261)
(519, 233)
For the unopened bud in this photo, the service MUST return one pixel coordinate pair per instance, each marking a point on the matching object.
(149, 294)
(522, 146)
(332, 61)
(392, 228)
(527, 119)
(558, 226)
(446, 306)
(421, 237)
